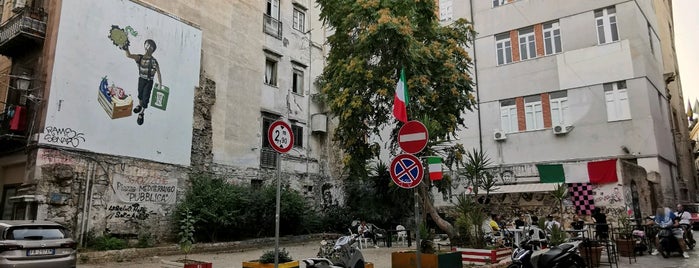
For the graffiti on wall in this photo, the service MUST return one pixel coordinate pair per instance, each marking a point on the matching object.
(133, 211)
(145, 190)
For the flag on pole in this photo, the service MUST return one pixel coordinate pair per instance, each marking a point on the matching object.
(434, 165)
(690, 112)
(597, 172)
(400, 99)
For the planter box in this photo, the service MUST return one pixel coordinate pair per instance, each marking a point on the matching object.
(626, 247)
(182, 264)
(591, 255)
(483, 256)
(408, 259)
(254, 264)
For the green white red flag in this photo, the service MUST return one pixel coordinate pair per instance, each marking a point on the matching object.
(400, 99)
(434, 165)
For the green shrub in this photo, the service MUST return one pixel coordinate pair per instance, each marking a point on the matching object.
(268, 256)
(106, 243)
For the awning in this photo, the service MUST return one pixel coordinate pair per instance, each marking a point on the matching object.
(523, 188)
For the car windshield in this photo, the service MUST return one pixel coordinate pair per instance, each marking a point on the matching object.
(35, 233)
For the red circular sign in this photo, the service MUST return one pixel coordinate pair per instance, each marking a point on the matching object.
(406, 171)
(412, 137)
(280, 136)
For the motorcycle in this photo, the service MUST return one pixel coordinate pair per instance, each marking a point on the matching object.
(667, 242)
(689, 236)
(341, 254)
(562, 256)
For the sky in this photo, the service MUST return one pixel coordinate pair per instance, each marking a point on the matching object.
(686, 40)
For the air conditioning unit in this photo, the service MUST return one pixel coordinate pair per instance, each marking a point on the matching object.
(562, 129)
(18, 5)
(499, 135)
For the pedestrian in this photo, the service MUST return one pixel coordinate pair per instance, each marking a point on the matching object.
(601, 226)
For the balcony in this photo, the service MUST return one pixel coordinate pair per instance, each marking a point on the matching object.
(272, 26)
(13, 127)
(25, 29)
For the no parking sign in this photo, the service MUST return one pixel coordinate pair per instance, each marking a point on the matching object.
(406, 171)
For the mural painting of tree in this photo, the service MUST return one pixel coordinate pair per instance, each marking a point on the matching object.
(371, 41)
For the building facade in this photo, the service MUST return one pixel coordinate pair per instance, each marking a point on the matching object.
(87, 145)
(578, 82)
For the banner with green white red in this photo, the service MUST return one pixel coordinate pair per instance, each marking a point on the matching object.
(434, 165)
(594, 172)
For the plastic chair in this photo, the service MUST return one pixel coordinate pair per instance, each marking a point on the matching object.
(402, 234)
(360, 239)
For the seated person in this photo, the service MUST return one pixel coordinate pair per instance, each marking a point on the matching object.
(366, 231)
(519, 223)
(550, 223)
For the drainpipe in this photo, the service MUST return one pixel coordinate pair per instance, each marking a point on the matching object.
(475, 76)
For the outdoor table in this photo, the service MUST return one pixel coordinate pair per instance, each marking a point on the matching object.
(517, 233)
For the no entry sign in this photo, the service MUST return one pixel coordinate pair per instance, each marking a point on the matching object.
(406, 171)
(280, 136)
(412, 137)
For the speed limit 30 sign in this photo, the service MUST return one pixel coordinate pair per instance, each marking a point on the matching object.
(280, 136)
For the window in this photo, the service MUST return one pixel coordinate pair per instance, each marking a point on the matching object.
(298, 135)
(297, 81)
(617, 101)
(606, 25)
(499, 2)
(559, 107)
(533, 113)
(527, 44)
(508, 116)
(271, 72)
(273, 9)
(503, 46)
(299, 20)
(552, 38)
(268, 156)
(256, 184)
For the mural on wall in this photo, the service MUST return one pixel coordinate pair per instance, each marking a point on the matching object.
(137, 59)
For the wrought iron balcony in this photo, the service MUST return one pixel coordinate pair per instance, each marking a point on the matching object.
(14, 121)
(25, 29)
(272, 26)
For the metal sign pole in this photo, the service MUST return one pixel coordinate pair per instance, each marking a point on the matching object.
(417, 228)
(276, 214)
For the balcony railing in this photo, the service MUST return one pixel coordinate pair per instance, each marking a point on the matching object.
(26, 27)
(272, 26)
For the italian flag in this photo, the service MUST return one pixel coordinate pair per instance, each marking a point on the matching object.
(597, 172)
(400, 99)
(434, 165)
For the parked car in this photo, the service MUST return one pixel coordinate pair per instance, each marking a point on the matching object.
(693, 208)
(36, 244)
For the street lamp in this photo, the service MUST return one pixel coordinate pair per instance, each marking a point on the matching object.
(22, 82)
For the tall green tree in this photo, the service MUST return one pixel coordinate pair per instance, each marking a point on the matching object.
(371, 42)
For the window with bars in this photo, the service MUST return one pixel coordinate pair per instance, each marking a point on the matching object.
(617, 99)
(298, 135)
(508, 116)
(552, 38)
(605, 20)
(268, 156)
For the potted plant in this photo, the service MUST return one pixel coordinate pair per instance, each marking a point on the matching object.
(186, 243)
(429, 257)
(267, 260)
(624, 241)
(591, 252)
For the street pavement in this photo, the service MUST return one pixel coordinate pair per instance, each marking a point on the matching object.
(381, 257)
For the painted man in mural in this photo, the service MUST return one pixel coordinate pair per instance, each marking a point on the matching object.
(147, 69)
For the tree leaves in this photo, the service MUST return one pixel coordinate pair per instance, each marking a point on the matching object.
(372, 41)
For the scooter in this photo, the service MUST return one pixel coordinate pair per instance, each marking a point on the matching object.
(668, 242)
(562, 256)
(689, 236)
(342, 254)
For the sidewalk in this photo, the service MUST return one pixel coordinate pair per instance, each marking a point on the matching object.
(381, 257)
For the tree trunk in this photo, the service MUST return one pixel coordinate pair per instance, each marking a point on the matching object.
(429, 208)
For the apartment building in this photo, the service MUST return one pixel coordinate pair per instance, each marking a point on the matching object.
(84, 142)
(573, 82)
